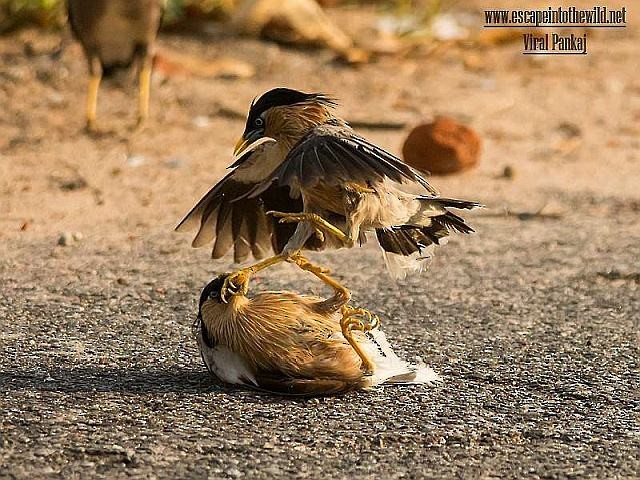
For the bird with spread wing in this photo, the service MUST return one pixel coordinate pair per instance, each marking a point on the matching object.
(303, 179)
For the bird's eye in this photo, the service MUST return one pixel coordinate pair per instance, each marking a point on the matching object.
(258, 122)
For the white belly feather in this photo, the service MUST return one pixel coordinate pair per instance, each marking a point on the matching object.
(225, 364)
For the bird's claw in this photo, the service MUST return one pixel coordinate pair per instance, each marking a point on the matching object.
(286, 217)
(235, 284)
(348, 324)
(372, 320)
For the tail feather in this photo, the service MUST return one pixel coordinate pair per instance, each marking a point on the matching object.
(399, 266)
(454, 222)
(407, 248)
(391, 369)
(453, 202)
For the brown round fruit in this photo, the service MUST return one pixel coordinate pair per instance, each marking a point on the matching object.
(442, 147)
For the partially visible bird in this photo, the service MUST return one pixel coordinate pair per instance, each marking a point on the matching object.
(298, 162)
(114, 34)
(287, 343)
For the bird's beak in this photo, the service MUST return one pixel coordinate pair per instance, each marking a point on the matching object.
(248, 145)
(241, 144)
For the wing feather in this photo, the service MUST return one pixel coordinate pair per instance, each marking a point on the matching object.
(230, 219)
(334, 154)
(224, 233)
(240, 233)
(206, 233)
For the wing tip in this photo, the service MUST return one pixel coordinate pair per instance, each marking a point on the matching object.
(185, 225)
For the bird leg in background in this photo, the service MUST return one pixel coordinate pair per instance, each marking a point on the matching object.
(239, 280)
(316, 221)
(348, 323)
(144, 87)
(95, 72)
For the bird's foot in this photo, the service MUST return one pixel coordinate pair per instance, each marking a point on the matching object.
(306, 265)
(236, 283)
(354, 187)
(139, 125)
(290, 217)
(287, 217)
(91, 127)
(319, 224)
(372, 320)
(350, 322)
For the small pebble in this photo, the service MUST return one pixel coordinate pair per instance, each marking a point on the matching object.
(136, 160)
(67, 238)
(55, 99)
(174, 163)
(508, 172)
(569, 130)
(201, 121)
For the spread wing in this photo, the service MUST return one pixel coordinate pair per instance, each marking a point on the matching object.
(228, 218)
(334, 155)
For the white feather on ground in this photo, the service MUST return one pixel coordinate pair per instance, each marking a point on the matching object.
(392, 369)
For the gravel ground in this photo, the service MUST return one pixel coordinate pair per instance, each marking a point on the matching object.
(535, 335)
(533, 322)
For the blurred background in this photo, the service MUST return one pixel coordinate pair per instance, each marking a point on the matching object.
(526, 132)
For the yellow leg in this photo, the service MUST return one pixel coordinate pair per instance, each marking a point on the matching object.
(302, 262)
(348, 324)
(92, 101)
(144, 88)
(314, 219)
(238, 281)
(322, 274)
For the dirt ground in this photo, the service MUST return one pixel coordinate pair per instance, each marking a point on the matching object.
(533, 322)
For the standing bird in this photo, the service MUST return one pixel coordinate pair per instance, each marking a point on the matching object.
(114, 34)
(287, 343)
(303, 179)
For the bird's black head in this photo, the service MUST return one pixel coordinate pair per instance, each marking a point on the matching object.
(277, 97)
(280, 97)
(212, 292)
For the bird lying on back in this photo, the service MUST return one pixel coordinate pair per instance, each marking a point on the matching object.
(287, 343)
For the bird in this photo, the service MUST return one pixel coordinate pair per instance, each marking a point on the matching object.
(290, 344)
(114, 34)
(302, 178)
